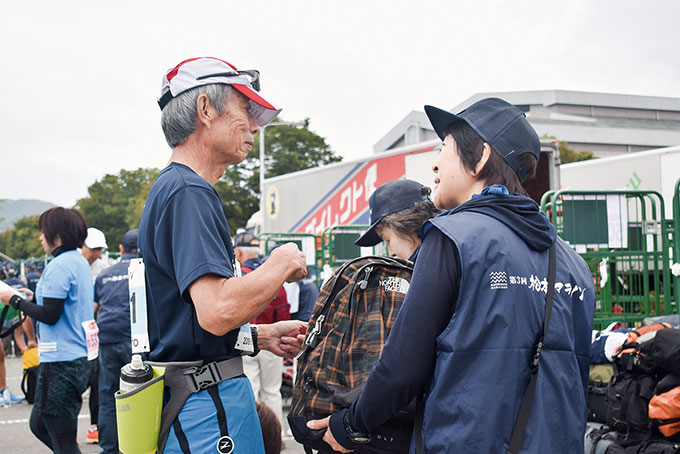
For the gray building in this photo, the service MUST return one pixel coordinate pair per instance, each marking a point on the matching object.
(603, 123)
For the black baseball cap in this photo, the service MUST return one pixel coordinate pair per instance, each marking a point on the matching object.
(130, 239)
(498, 123)
(246, 239)
(389, 198)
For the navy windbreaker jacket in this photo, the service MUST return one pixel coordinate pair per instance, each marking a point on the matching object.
(482, 369)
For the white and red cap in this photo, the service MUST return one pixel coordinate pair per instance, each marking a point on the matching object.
(199, 71)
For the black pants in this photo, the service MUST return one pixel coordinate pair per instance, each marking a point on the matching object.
(94, 396)
(56, 432)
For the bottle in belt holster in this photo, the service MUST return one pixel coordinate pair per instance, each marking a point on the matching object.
(139, 404)
(134, 374)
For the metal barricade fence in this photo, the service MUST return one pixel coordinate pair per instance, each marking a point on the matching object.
(338, 246)
(309, 244)
(675, 235)
(334, 247)
(626, 242)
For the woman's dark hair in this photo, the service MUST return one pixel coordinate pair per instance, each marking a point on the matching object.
(66, 223)
(496, 171)
(410, 220)
(271, 429)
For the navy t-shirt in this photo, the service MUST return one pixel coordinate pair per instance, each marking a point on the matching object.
(111, 291)
(183, 235)
(14, 282)
(32, 277)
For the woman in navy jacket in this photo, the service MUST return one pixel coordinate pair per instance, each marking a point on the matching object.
(475, 308)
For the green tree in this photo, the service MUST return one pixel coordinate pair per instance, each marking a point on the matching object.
(567, 154)
(6, 241)
(113, 202)
(24, 239)
(134, 214)
(287, 149)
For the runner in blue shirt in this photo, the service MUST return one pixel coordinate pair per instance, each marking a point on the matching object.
(64, 297)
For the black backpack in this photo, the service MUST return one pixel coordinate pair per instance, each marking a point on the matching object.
(29, 382)
(643, 360)
(31, 362)
(601, 440)
(352, 318)
(655, 447)
(628, 398)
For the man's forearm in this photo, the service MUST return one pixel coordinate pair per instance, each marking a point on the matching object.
(225, 304)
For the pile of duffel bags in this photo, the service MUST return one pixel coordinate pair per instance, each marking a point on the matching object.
(634, 391)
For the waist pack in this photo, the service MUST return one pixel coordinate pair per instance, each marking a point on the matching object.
(352, 318)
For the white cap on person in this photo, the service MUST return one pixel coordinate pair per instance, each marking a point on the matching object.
(95, 239)
(199, 71)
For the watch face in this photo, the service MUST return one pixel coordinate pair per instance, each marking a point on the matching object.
(361, 439)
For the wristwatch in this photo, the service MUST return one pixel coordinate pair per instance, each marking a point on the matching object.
(253, 334)
(356, 437)
(15, 300)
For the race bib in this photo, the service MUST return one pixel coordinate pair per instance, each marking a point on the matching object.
(139, 329)
(244, 341)
(91, 339)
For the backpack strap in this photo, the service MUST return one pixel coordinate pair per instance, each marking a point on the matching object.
(11, 329)
(524, 411)
(310, 339)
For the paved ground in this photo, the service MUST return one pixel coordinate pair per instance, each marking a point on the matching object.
(17, 438)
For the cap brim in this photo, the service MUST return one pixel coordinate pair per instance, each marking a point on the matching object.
(266, 113)
(369, 238)
(441, 120)
(96, 246)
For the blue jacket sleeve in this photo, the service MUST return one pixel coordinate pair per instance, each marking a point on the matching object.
(407, 360)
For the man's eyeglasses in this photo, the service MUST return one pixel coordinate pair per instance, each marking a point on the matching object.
(252, 75)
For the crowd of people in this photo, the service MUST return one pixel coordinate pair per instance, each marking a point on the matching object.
(214, 301)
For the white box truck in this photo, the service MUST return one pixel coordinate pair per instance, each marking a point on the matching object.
(312, 200)
(652, 170)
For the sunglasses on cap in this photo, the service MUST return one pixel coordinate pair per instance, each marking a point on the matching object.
(252, 75)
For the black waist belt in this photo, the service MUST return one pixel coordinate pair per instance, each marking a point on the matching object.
(187, 378)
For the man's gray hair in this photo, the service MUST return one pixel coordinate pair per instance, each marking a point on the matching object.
(178, 118)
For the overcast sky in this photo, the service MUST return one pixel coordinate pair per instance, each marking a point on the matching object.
(80, 79)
